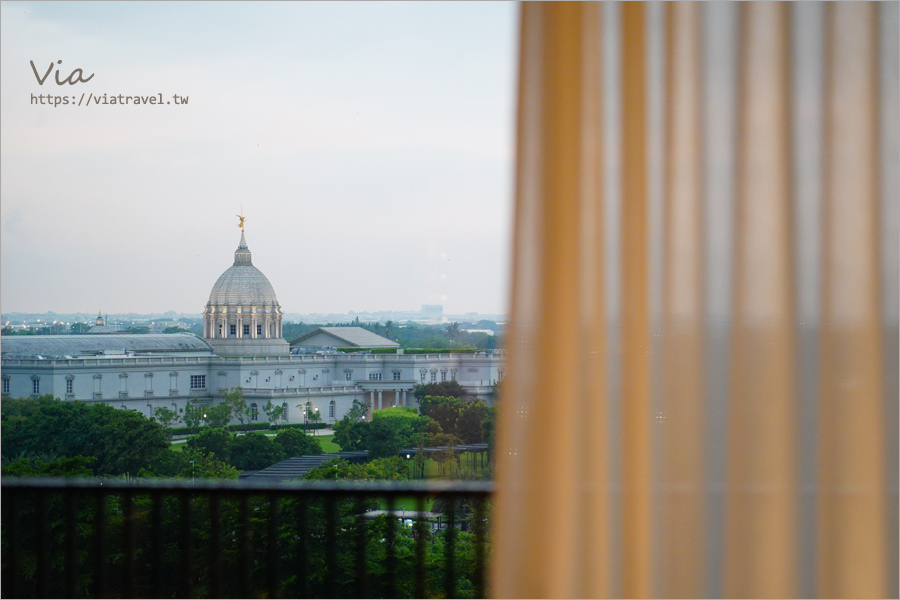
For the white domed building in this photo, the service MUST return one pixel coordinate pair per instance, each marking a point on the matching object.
(242, 347)
(243, 316)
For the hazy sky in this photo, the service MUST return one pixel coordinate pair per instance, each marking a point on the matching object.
(371, 145)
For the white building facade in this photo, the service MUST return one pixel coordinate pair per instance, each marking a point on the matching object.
(242, 348)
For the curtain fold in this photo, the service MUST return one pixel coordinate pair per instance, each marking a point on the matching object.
(606, 490)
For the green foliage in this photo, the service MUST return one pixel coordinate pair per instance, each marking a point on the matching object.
(138, 329)
(469, 424)
(383, 440)
(446, 350)
(166, 417)
(238, 406)
(351, 435)
(443, 409)
(193, 415)
(408, 425)
(445, 388)
(121, 441)
(76, 466)
(275, 412)
(217, 416)
(253, 451)
(215, 440)
(296, 443)
(393, 468)
(175, 329)
(354, 350)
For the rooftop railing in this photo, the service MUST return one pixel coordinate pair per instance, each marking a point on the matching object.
(214, 538)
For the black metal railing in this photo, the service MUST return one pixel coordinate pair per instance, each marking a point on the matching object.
(213, 538)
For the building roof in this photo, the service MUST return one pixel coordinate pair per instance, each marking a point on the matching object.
(349, 337)
(242, 284)
(81, 345)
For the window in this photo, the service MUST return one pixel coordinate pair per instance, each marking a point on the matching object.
(69, 386)
(246, 330)
(443, 375)
(374, 376)
(396, 375)
(453, 375)
(284, 412)
(36, 385)
(232, 329)
(348, 375)
(254, 412)
(434, 377)
(6, 385)
(422, 375)
(258, 329)
(331, 409)
(198, 382)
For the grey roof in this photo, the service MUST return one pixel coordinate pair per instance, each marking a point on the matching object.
(351, 336)
(299, 466)
(242, 284)
(75, 345)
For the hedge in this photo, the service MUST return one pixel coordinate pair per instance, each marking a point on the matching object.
(249, 427)
(369, 350)
(443, 350)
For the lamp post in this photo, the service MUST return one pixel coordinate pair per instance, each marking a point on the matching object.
(192, 472)
(408, 469)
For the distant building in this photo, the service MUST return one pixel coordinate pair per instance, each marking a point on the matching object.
(101, 327)
(241, 347)
(342, 337)
(433, 312)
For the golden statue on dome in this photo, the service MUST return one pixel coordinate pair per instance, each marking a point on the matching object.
(241, 224)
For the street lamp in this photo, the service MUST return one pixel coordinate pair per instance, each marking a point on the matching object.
(408, 469)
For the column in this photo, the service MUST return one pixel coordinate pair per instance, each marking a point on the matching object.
(379, 400)
(404, 398)
(240, 326)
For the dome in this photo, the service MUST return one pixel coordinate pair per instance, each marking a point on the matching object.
(242, 284)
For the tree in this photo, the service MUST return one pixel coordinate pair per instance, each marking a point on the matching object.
(469, 424)
(383, 441)
(80, 327)
(218, 441)
(443, 409)
(238, 406)
(121, 441)
(218, 415)
(254, 451)
(313, 416)
(192, 416)
(382, 468)
(450, 389)
(76, 466)
(274, 412)
(293, 442)
(357, 411)
(453, 331)
(166, 417)
(174, 329)
(351, 435)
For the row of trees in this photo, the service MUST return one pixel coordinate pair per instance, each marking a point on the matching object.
(38, 433)
(233, 406)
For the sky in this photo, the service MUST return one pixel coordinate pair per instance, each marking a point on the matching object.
(369, 145)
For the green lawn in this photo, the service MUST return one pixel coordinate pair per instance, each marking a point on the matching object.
(324, 440)
(327, 444)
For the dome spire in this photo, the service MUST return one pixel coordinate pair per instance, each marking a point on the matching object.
(242, 254)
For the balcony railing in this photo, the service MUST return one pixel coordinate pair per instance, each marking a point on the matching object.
(214, 538)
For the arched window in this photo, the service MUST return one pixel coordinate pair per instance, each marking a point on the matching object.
(284, 413)
(254, 412)
(331, 409)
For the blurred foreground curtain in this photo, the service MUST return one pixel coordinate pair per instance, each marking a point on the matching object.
(702, 391)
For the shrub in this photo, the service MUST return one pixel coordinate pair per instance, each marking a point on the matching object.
(292, 443)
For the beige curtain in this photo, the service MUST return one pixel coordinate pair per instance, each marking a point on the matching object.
(702, 390)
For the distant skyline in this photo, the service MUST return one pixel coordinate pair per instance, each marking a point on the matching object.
(370, 144)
